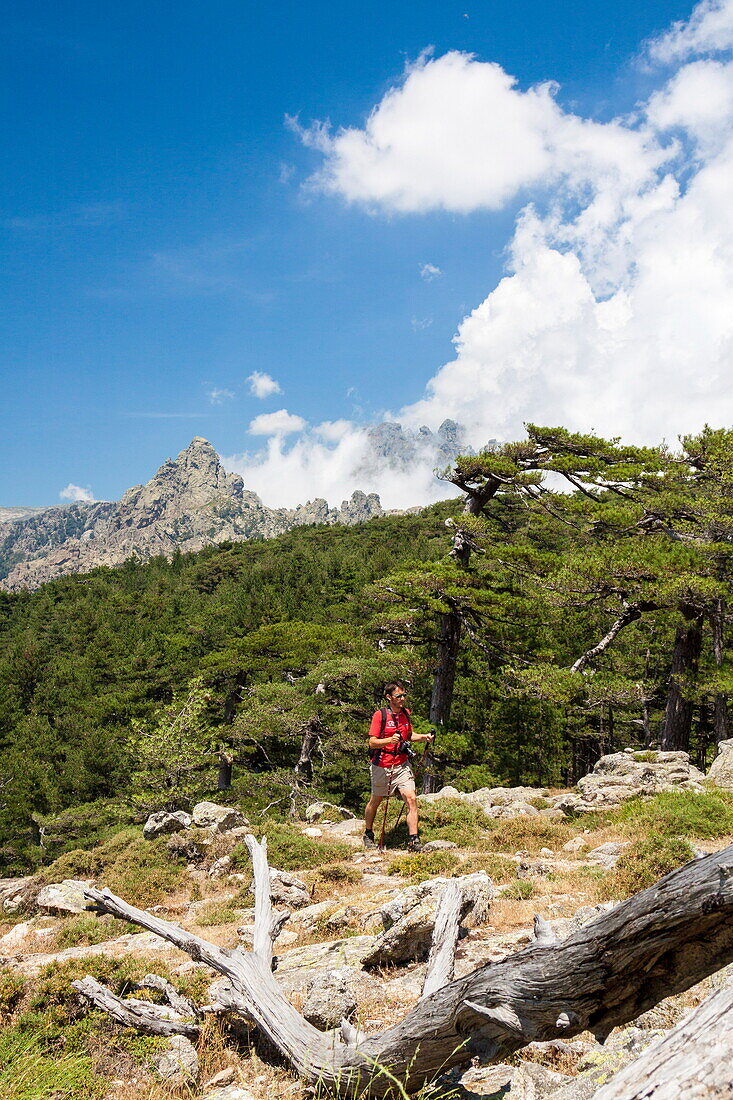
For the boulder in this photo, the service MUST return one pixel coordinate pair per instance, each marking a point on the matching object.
(317, 810)
(312, 832)
(210, 815)
(607, 855)
(485, 1081)
(622, 775)
(285, 889)
(409, 918)
(330, 998)
(721, 769)
(532, 1081)
(478, 891)
(512, 809)
(16, 893)
(65, 897)
(162, 823)
(439, 845)
(179, 1063)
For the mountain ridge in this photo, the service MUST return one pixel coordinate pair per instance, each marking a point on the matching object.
(190, 502)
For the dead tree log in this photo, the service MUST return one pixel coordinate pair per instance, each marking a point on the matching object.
(659, 942)
(693, 1059)
(138, 1014)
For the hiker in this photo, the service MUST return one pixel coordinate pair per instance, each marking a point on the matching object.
(390, 734)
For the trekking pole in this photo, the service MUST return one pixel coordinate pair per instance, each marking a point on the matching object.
(386, 804)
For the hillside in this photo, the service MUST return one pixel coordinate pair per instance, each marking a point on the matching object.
(354, 943)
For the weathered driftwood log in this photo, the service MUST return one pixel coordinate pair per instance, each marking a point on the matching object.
(138, 1014)
(694, 1059)
(659, 942)
(178, 1003)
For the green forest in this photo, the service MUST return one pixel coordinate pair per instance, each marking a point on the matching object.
(571, 601)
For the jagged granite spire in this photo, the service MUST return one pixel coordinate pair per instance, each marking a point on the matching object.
(189, 503)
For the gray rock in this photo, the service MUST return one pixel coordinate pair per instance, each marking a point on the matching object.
(409, 918)
(210, 814)
(330, 998)
(607, 855)
(285, 889)
(229, 1092)
(16, 893)
(162, 823)
(220, 867)
(623, 775)
(513, 809)
(488, 1081)
(191, 502)
(179, 1063)
(439, 845)
(577, 844)
(535, 1082)
(317, 810)
(65, 897)
(721, 769)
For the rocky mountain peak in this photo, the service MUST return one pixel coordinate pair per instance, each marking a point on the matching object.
(192, 480)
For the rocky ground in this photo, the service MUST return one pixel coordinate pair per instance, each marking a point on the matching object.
(360, 925)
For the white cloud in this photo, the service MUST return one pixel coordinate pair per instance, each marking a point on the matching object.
(616, 309)
(262, 385)
(77, 493)
(458, 134)
(708, 30)
(428, 272)
(331, 462)
(218, 396)
(278, 423)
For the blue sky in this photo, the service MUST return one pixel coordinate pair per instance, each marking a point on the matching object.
(161, 241)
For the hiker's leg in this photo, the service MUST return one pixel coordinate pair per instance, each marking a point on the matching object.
(371, 810)
(410, 799)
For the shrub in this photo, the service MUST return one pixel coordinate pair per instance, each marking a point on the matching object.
(87, 928)
(646, 861)
(519, 890)
(339, 872)
(498, 868)
(707, 815)
(529, 833)
(128, 864)
(449, 819)
(422, 866)
(289, 850)
(29, 1071)
(12, 987)
(218, 912)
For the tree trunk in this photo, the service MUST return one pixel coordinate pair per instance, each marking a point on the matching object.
(224, 778)
(685, 659)
(310, 734)
(449, 640)
(658, 943)
(721, 723)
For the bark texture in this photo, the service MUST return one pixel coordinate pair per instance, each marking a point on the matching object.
(693, 1060)
(685, 660)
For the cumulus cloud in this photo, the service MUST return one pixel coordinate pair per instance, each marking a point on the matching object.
(708, 30)
(331, 461)
(77, 493)
(262, 385)
(428, 272)
(278, 423)
(615, 312)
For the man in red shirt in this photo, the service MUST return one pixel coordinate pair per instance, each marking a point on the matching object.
(390, 733)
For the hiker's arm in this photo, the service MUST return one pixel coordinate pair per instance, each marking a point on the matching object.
(423, 737)
(375, 741)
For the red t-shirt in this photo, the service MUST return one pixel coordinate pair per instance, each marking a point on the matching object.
(396, 723)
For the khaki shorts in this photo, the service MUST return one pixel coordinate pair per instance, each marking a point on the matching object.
(399, 777)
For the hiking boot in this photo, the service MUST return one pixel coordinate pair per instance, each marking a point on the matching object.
(414, 844)
(368, 840)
